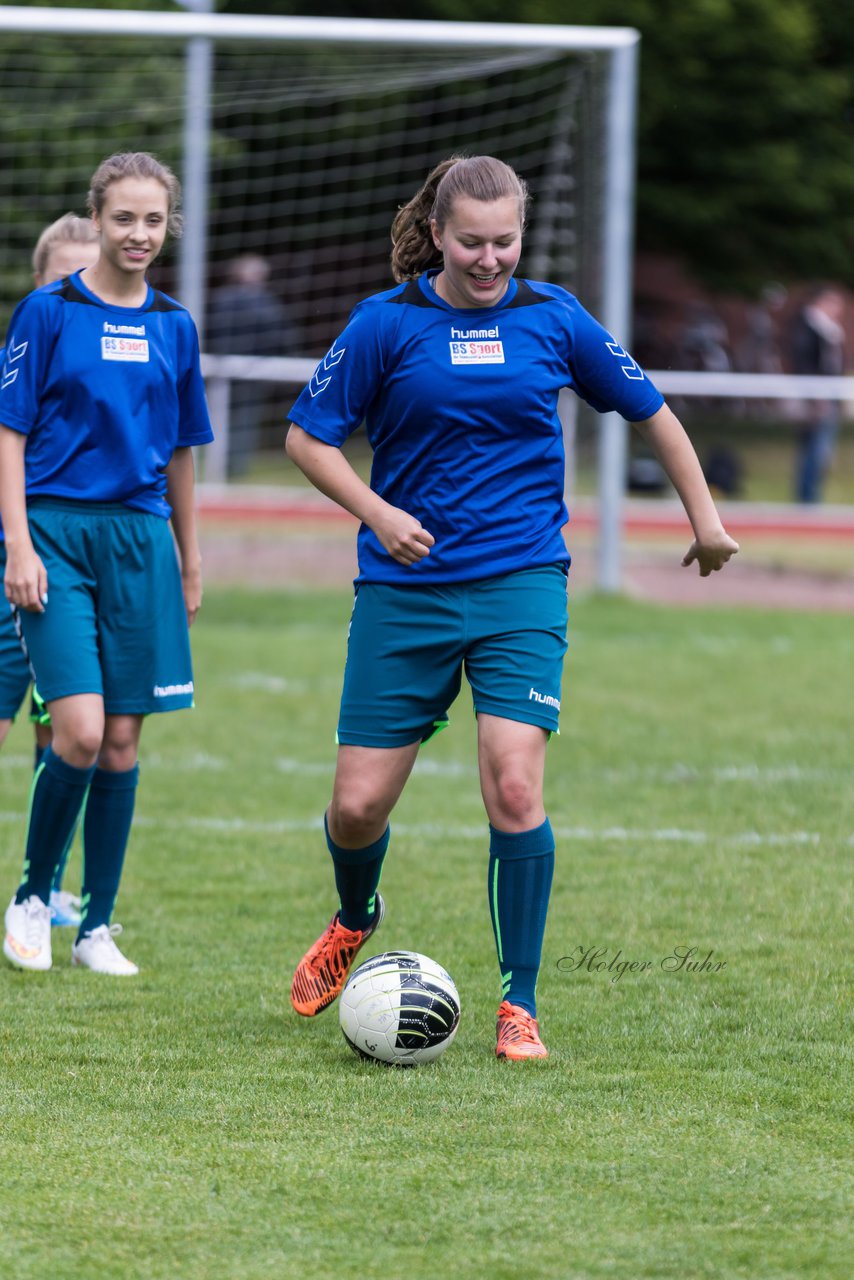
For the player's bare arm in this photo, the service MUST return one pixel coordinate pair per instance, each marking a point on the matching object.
(26, 576)
(712, 546)
(403, 537)
(180, 486)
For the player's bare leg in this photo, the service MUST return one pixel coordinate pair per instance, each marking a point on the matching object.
(368, 783)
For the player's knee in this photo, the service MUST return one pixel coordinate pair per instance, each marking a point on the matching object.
(78, 744)
(120, 747)
(118, 754)
(357, 818)
(516, 801)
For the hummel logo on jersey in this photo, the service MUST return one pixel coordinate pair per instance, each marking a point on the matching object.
(318, 383)
(476, 346)
(13, 355)
(463, 334)
(134, 330)
(630, 368)
(545, 698)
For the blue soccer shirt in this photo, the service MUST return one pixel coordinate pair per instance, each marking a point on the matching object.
(104, 394)
(460, 408)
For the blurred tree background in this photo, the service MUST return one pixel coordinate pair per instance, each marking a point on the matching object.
(746, 124)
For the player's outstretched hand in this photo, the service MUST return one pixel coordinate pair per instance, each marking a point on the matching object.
(403, 537)
(711, 553)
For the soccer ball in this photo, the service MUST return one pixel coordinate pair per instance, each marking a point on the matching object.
(400, 1008)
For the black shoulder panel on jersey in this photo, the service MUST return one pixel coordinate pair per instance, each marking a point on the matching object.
(68, 291)
(526, 296)
(413, 296)
(161, 303)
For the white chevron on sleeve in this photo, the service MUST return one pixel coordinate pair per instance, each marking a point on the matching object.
(13, 354)
(631, 369)
(330, 360)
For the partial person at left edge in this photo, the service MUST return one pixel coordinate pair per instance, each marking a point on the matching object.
(68, 244)
(101, 402)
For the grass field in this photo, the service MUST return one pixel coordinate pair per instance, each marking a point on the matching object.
(187, 1125)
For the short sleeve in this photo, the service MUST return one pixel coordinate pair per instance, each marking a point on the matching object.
(335, 401)
(25, 364)
(194, 425)
(606, 375)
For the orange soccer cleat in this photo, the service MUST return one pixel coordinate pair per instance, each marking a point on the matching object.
(323, 970)
(518, 1034)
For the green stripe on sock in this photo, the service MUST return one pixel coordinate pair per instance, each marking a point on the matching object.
(495, 911)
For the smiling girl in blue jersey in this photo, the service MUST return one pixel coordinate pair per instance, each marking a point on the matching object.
(101, 401)
(462, 563)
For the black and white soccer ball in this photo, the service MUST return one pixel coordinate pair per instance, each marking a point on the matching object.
(401, 1008)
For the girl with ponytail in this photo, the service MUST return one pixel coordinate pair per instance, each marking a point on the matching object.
(462, 565)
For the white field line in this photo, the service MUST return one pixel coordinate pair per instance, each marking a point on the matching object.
(261, 682)
(440, 831)
(762, 776)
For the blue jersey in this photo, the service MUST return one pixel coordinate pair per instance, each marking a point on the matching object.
(104, 394)
(460, 408)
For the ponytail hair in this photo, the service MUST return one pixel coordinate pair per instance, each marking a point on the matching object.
(136, 164)
(476, 177)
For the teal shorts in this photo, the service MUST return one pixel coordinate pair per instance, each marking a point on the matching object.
(408, 647)
(15, 674)
(115, 622)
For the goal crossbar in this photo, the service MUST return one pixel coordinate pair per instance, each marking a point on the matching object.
(261, 27)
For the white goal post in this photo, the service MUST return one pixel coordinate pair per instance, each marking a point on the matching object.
(426, 46)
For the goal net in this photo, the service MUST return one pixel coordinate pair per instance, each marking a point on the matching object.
(313, 147)
(312, 133)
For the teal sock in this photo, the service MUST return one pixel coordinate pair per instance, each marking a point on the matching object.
(521, 865)
(63, 858)
(59, 873)
(107, 821)
(56, 798)
(357, 878)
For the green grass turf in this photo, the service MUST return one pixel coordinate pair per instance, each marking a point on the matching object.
(186, 1124)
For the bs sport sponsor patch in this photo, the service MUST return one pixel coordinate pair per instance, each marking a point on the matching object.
(476, 346)
(124, 342)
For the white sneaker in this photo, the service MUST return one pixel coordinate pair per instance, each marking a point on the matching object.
(65, 907)
(97, 951)
(27, 941)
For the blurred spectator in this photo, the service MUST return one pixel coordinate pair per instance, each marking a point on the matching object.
(724, 471)
(818, 347)
(646, 475)
(759, 350)
(704, 342)
(650, 344)
(246, 318)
